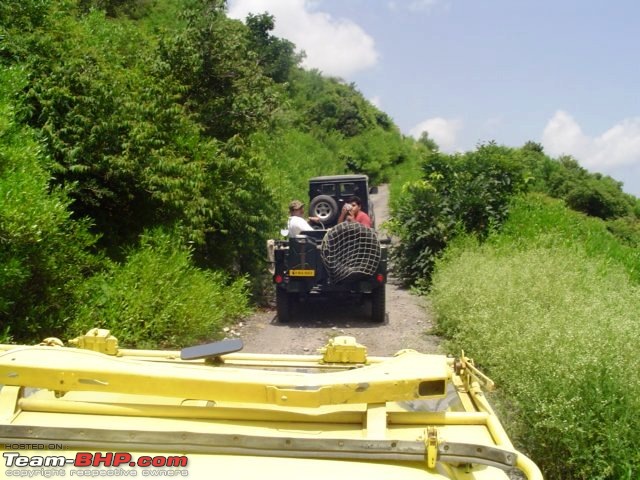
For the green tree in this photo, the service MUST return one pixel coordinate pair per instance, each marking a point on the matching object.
(132, 155)
(114, 8)
(329, 104)
(595, 194)
(458, 193)
(211, 58)
(428, 142)
(118, 139)
(44, 254)
(276, 56)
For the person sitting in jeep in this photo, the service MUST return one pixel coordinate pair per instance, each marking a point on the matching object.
(296, 222)
(352, 212)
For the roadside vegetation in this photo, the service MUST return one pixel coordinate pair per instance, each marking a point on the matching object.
(532, 267)
(550, 312)
(147, 152)
(149, 149)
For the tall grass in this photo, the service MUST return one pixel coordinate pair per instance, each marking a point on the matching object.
(549, 308)
(157, 298)
(538, 219)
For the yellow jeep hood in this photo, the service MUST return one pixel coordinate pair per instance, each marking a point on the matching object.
(115, 412)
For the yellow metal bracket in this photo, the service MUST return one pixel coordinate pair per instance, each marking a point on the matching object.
(467, 370)
(98, 340)
(344, 349)
(431, 442)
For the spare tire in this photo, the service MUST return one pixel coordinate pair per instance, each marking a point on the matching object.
(325, 208)
(350, 252)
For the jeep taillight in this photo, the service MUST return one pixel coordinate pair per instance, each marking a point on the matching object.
(380, 278)
(278, 278)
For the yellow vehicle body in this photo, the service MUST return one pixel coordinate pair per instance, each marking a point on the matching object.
(107, 411)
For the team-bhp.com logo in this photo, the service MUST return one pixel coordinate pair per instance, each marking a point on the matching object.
(164, 465)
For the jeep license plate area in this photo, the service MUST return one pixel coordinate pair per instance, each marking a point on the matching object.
(302, 272)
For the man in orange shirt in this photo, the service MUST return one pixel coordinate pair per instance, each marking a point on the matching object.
(351, 212)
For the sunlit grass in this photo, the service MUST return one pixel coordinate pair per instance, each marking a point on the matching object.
(157, 298)
(553, 318)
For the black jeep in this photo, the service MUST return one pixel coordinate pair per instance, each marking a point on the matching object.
(337, 259)
(328, 195)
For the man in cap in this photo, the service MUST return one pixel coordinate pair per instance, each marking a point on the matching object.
(297, 223)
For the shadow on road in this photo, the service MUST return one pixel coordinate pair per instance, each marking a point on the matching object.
(331, 312)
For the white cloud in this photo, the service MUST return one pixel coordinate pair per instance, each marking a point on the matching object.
(442, 130)
(376, 101)
(616, 152)
(335, 46)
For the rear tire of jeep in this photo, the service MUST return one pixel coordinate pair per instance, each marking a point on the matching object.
(284, 305)
(325, 208)
(378, 305)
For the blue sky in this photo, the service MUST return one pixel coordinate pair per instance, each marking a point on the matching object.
(564, 73)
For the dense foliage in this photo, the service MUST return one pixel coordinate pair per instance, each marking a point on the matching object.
(132, 116)
(542, 293)
(157, 298)
(470, 193)
(44, 254)
(549, 308)
(457, 193)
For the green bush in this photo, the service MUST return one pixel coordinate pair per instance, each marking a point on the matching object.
(158, 299)
(554, 323)
(458, 193)
(43, 252)
(627, 229)
(595, 194)
(374, 152)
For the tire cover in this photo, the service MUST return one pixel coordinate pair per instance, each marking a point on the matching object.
(325, 207)
(350, 251)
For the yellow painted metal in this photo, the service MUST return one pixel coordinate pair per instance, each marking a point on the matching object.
(302, 273)
(470, 373)
(9, 398)
(400, 378)
(98, 340)
(344, 414)
(432, 446)
(376, 421)
(344, 349)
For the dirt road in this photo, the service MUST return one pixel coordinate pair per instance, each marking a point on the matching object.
(408, 318)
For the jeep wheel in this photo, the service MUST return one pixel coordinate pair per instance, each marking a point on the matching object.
(284, 305)
(325, 208)
(378, 305)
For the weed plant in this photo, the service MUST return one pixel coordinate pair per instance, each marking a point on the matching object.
(549, 309)
(157, 298)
